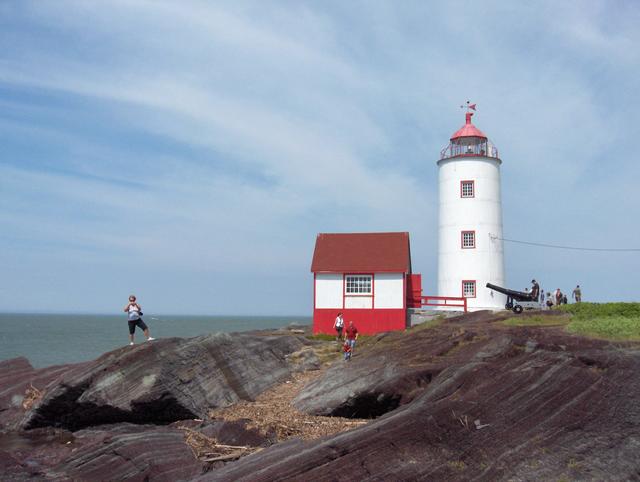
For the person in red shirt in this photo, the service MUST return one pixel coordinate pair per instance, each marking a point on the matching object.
(350, 335)
(346, 348)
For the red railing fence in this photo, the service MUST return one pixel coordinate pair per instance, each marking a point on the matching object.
(448, 301)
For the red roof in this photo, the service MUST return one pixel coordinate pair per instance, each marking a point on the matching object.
(468, 129)
(362, 253)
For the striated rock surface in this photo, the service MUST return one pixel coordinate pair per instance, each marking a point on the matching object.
(473, 400)
(469, 399)
(116, 452)
(390, 372)
(157, 382)
(65, 422)
(111, 452)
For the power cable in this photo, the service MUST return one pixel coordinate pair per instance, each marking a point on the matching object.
(575, 248)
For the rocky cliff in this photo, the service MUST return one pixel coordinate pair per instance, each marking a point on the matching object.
(469, 399)
(74, 421)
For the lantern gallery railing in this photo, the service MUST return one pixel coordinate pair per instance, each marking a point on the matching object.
(448, 301)
(476, 149)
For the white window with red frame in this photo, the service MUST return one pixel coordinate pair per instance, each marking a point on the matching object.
(468, 288)
(467, 189)
(360, 284)
(468, 239)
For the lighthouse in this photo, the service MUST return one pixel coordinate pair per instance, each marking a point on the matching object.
(470, 250)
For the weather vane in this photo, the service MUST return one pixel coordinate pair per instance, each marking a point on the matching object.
(469, 106)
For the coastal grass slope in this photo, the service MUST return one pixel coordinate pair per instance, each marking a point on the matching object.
(607, 321)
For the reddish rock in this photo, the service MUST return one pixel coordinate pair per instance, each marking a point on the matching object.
(111, 452)
(469, 399)
(129, 452)
(502, 404)
(158, 382)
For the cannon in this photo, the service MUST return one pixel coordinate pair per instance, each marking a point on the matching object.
(516, 300)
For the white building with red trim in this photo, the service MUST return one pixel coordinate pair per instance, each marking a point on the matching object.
(366, 276)
(470, 250)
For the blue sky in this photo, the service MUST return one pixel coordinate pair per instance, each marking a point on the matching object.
(190, 152)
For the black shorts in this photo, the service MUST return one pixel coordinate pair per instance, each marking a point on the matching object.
(134, 323)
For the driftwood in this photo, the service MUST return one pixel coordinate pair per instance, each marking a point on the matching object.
(207, 449)
(31, 396)
(273, 415)
(231, 456)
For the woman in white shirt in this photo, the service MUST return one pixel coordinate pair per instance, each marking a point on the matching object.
(338, 325)
(134, 311)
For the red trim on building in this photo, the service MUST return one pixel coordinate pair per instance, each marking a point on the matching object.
(473, 189)
(475, 287)
(315, 284)
(373, 291)
(487, 156)
(404, 292)
(462, 233)
(367, 321)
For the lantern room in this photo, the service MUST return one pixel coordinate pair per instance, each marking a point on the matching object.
(469, 141)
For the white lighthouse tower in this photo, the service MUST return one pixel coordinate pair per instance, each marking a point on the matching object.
(470, 251)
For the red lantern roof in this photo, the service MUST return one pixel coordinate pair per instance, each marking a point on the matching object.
(468, 130)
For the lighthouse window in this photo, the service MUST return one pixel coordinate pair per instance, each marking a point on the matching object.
(358, 285)
(469, 289)
(467, 189)
(468, 239)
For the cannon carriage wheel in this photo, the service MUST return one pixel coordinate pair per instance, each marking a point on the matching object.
(509, 304)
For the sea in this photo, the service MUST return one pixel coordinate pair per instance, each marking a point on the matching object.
(53, 339)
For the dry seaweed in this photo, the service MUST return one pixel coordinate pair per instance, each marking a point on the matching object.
(272, 413)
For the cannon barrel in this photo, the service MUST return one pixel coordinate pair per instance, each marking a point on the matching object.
(516, 295)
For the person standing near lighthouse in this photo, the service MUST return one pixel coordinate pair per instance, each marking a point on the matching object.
(338, 325)
(470, 251)
(577, 294)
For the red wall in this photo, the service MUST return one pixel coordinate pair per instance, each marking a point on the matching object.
(367, 321)
(414, 290)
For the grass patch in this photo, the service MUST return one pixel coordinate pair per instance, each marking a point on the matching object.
(457, 464)
(536, 320)
(322, 337)
(617, 328)
(611, 321)
(598, 310)
(428, 324)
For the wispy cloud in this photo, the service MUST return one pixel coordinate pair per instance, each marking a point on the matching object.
(198, 142)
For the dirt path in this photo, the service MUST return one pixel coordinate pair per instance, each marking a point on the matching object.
(272, 412)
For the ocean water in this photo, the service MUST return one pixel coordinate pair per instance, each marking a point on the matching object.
(48, 339)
